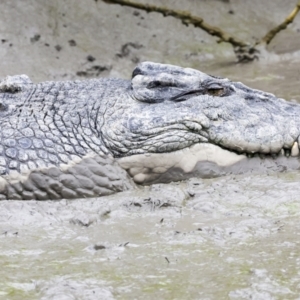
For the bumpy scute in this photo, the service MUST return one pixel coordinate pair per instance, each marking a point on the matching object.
(92, 177)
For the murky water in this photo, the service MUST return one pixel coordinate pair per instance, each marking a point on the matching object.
(235, 237)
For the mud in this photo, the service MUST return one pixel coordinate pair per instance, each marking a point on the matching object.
(235, 237)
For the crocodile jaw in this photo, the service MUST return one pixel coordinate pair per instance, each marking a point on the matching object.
(202, 160)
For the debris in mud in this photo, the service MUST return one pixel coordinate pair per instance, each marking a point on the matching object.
(9, 233)
(35, 38)
(58, 47)
(90, 58)
(151, 204)
(106, 213)
(81, 223)
(72, 43)
(145, 203)
(99, 247)
(124, 245)
(93, 71)
(127, 50)
(191, 193)
(166, 204)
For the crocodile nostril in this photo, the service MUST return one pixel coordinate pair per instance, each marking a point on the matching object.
(249, 97)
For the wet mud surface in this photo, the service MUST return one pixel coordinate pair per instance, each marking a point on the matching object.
(235, 237)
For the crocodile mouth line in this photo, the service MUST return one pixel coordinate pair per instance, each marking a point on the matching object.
(186, 95)
(294, 151)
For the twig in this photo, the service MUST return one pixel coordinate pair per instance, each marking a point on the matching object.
(185, 17)
(271, 34)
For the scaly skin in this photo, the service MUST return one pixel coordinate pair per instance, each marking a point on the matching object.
(62, 139)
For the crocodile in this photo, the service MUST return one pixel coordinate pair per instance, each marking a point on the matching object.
(91, 138)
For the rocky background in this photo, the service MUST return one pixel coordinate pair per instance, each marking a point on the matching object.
(67, 39)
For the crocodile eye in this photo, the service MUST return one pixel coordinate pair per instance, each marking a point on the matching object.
(216, 91)
(160, 83)
(154, 84)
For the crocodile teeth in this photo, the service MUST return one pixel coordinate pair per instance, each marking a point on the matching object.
(281, 153)
(295, 150)
(287, 152)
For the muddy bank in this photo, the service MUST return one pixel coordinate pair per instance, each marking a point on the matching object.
(235, 237)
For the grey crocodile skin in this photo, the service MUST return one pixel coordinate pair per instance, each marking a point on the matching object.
(64, 139)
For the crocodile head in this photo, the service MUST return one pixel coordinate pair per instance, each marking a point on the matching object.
(72, 139)
(180, 122)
